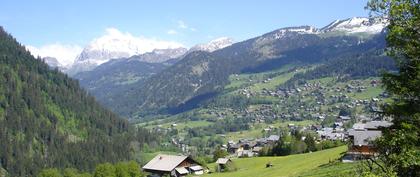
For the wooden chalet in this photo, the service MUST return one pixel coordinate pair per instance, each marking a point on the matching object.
(172, 165)
(361, 137)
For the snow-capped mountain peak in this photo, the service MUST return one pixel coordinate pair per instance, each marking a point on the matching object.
(300, 30)
(116, 44)
(356, 25)
(214, 45)
(160, 55)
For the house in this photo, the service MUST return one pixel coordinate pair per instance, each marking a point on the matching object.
(329, 133)
(343, 118)
(257, 149)
(273, 138)
(233, 148)
(245, 153)
(172, 165)
(361, 137)
(222, 164)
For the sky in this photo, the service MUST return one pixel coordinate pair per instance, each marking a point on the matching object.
(66, 26)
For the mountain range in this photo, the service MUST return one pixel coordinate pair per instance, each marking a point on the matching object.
(134, 83)
(136, 86)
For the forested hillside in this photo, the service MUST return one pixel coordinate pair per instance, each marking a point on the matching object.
(117, 76)
(46, 120)
(202, 75)
(356, 66)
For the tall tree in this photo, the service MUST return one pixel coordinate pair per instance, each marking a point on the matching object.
(399, 147)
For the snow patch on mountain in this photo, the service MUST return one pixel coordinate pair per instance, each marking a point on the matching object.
(116, 44)
(213, 45)
(357, 25)
(160, 55)
(300, 30)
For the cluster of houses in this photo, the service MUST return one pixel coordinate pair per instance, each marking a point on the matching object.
(360, 137)
(292, 106)
(249, 147)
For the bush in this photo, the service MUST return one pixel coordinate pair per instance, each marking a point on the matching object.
(51, 172)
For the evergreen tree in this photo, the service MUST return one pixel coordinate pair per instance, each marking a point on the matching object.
(399, 147)
(105, 170)
(50, 173)
(219, 153)
(48, 121)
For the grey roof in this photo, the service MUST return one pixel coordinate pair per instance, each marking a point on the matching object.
(257, 149)
(196, 168)
(273, 138)
(377, 124)
(164, 162)
(364, 137)
(222, 160)
(359, 126)
(182, 170)
(345, 117)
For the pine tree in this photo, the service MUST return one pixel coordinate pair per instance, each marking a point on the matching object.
(399, 147)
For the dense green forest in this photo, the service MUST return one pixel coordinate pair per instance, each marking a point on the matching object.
(46, 120)
(358, 66)
(120, 169)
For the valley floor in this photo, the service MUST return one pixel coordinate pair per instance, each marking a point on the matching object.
(292, 165)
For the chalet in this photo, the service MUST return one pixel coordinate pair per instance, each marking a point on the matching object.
(172, 165)
(257, 149)
(273, 138)
(245, 153)
(222, 164)
(361, 136)
(233, 148)
(329, 133)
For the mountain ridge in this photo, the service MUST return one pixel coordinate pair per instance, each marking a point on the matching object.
(268, 51)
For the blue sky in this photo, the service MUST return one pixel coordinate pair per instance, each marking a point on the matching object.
(76, 22)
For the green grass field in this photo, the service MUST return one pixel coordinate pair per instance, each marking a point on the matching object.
(271, 85)
(291, 165)
(336, 169)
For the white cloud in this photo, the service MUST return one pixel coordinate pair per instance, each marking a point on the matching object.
(182, 24)
(171, 31)
(64, 53)
(115, 40)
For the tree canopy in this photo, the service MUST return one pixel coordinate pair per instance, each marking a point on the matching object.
(399, 147)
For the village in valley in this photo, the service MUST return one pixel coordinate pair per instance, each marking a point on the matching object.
(260, 116)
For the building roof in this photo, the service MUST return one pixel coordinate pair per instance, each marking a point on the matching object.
(377, 124)
(222, 160)
(164, 162)
(364, 137)
(182, 170)
(273, 138)
(196, 168)
(359, 126)
(345, 117)
(257, 149)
